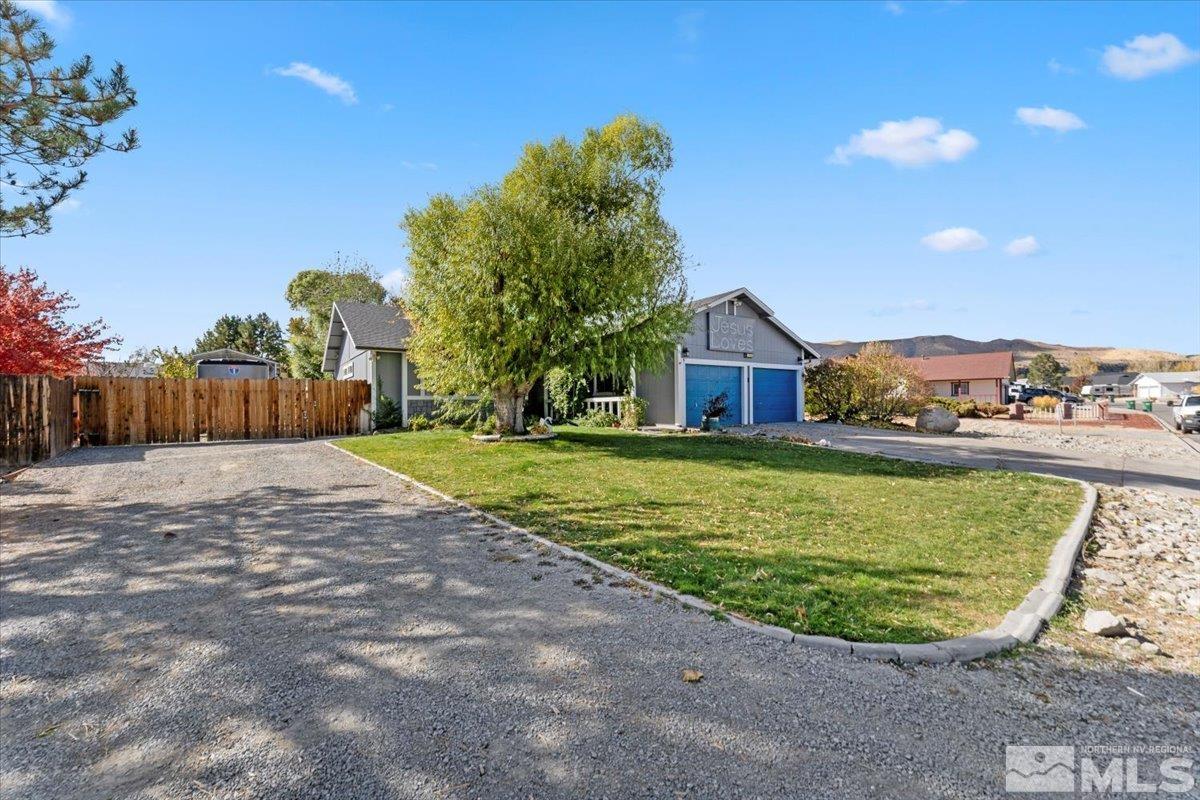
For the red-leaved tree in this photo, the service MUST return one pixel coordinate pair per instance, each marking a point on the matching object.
(34, 337)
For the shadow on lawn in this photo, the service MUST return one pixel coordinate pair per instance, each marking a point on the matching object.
(329, 631)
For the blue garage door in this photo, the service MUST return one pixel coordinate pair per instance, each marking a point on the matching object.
(774, 395)
(704, 381)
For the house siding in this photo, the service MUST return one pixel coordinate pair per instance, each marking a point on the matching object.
(657, 386)
(982, 390)
(771, 345)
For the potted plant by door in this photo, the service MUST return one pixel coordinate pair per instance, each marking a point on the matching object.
(715, 407)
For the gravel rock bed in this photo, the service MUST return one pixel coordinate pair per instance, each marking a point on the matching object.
(1143, 565)
(280, 620)
(1113, 442)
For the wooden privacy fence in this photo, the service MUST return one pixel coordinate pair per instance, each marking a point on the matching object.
(160, 410)
(35, 411)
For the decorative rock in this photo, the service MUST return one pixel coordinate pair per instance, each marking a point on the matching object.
(936, 419)
(1151, 649)
(1104, 576)
(1103, 623)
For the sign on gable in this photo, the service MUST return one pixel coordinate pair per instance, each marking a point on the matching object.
(731, 334)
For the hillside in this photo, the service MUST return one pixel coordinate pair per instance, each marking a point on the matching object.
(1115, 358)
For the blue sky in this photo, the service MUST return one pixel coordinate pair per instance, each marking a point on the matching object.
(276, 134)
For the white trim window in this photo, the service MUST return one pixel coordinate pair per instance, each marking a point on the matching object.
(347, 370)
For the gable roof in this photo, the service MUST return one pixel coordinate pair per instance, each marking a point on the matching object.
(972, 366)
(1171, 377)
(370, 326)
(229, 354)
(705, 303)
(1118, 378)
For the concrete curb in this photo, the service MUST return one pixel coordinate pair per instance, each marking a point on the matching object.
(1020, 626)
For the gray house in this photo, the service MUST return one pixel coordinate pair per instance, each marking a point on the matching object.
(735, 346)
(369, 342)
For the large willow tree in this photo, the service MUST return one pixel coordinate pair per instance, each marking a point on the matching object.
(568, 262)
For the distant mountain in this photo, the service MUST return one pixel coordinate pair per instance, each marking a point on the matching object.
(1109, 358)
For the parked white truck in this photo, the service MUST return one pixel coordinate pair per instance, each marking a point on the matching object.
(1187, 413)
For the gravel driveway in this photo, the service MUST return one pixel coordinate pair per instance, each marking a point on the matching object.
(281, 620)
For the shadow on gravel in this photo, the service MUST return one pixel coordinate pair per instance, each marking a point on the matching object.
(327, 635)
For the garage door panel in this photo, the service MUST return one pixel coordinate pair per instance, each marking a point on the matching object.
(703, 381)
(774, 395)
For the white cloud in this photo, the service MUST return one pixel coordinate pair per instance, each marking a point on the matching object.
(907, 143)
(1056, 119)
(330, 84)
(1143, 56)
(955, 240)
(422, 166)
(67, 206)
(1059, 68)
(393, 281)
(900, 308)
(893, 8)
(49, 10)
(1024, 246)
(386, 107)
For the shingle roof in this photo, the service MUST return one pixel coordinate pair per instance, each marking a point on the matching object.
(1119, 378)
(373, 326)
(971, 366)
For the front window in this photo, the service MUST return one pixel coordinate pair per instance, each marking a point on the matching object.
(960, 388)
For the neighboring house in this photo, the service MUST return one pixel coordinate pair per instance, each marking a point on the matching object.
(735, 345)
(1109, 384)
(369, 342)
(982, 377)
(1165, 385)
(120, 369)
(232, 364)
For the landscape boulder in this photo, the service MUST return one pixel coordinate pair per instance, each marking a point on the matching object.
(1103, 623)
(936, 419)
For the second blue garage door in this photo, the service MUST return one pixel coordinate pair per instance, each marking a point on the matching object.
(704, 381)
(774, 395)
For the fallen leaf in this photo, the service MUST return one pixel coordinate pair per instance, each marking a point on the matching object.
(692, 675)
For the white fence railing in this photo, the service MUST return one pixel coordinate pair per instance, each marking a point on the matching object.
(1080, 412)
(610, 404)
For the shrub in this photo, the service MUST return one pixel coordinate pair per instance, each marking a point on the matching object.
(1045, 402)
(716, 406)
(566, 392)
(387, 414)
(633, 412)
(538, 428)
(420, 422)
(960, 408)
(829, 390)
(596, 418)
(486, 426)
(875, 385)
(886, 386)
(992, 409)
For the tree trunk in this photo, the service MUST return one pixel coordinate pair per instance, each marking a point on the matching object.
(510, 410)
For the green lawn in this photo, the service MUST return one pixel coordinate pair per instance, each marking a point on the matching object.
(815, 540)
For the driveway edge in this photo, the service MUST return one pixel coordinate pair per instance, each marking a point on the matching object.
(1020, 626)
